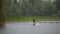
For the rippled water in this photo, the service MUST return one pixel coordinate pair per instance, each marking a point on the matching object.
(28, 28)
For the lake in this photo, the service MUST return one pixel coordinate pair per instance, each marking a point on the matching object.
(28, 28)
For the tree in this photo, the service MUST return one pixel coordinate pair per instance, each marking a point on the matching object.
(58, 4)
(2, 13)
(58, 7)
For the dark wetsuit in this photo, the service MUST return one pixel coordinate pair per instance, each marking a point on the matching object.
(33, 21)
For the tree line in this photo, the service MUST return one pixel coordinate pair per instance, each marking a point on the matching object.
(31, 8)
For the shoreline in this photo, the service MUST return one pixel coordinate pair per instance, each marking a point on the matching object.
(32, 22)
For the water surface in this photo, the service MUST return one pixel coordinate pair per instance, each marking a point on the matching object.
(28, 28)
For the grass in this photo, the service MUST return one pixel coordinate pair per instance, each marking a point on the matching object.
(29, 18)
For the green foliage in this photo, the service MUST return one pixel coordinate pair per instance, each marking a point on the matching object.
(31, 8)
(24, 10)
(30, 18)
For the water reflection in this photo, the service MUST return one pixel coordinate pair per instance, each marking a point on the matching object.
(2, 27)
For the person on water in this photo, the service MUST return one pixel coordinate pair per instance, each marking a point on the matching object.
(34, 21)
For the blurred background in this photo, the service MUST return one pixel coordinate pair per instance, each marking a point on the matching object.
(25, 10)
(13, 13)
